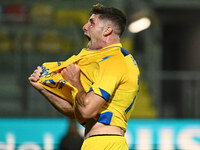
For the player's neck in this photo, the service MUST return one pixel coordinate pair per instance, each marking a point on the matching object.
(111, 40)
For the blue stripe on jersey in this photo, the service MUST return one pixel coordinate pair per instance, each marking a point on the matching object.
(124, 52)
(45, 81)
(105, 118)
(90, 89)
(58, 63)
(126, 111)
(105, 94)
(105, 58)
(52, 81)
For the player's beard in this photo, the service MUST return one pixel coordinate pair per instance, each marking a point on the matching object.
(94, 44)
(89, 45)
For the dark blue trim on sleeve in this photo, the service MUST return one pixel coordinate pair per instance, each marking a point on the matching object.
(126, 111)
(124, 52)
(105, 118)
(91, 89)
(105, 94)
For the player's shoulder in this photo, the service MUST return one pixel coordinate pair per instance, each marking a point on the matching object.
(112, 59)
(116, 63)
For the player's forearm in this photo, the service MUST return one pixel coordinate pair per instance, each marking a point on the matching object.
(81, 103)
(63, 106)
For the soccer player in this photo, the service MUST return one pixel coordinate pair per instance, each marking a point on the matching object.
(107, 105)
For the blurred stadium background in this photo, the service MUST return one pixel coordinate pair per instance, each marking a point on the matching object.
(167, 52)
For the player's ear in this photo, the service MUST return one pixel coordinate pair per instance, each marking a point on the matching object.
(107, 30)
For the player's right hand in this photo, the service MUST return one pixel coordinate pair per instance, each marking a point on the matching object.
(35, 76)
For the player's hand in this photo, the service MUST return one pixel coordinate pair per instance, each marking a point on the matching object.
(71, 74)
(35, 77)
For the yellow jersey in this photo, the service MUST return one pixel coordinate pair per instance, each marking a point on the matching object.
(110, 72)
(117, 81)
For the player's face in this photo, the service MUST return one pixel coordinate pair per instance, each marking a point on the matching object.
(93, 30)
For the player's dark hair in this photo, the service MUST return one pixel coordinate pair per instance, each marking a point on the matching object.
(112, 14)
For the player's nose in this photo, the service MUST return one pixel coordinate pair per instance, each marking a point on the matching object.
(85, 27)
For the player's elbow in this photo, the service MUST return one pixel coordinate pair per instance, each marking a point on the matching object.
(68, 112)
(70, 115)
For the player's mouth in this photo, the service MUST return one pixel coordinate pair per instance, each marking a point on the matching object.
(88, 37)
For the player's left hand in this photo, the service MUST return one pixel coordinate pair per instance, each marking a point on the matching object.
(71, 74)
(35, 76)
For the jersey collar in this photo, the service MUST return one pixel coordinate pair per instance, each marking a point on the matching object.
(86, 51)
(113, 45)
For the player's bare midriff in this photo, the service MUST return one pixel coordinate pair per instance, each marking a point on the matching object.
(96, 128)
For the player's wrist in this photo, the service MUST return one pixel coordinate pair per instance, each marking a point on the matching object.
(42, 90)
